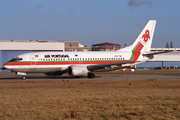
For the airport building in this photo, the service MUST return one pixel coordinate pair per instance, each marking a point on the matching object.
(75, 46)
(106, 47)
(31, 45)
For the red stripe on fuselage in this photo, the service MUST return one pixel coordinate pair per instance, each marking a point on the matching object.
(60, 63)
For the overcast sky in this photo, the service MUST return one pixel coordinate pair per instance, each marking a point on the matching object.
(89, 21)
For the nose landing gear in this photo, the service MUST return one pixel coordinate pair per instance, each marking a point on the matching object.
(24, 77)
(22, 74)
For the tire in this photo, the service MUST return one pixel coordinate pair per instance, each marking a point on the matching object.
(91, 75)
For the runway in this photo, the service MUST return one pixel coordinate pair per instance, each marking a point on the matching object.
(159, 75)
(119, 95)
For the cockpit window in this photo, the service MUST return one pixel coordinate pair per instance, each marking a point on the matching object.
(16, 59)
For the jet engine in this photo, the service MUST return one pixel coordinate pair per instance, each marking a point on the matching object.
(78, 71)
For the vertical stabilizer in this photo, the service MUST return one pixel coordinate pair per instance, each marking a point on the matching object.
(144, 40)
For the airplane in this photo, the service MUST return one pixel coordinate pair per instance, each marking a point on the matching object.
(81, 63)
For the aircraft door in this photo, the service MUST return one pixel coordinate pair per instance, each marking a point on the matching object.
(33, 60)
(32, 63)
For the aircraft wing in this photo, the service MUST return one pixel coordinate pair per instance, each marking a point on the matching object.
(104, 66)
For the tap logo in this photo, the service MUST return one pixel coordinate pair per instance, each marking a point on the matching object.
(145, 37)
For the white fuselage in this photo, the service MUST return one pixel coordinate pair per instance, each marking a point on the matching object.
(43, 62)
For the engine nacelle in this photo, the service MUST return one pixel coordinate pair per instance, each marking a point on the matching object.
(78, 71)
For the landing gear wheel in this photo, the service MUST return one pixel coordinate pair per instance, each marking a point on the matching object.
(91, 75)
(24, 77)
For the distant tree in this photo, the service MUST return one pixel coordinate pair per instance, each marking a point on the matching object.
(167, 45)
(171, 44)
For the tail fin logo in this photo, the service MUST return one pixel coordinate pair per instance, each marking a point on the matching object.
(145, 37)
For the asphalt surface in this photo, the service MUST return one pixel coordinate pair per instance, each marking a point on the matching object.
(99, 76)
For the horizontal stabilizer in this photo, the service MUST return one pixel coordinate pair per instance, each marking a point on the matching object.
(155, 53)
(3, 68)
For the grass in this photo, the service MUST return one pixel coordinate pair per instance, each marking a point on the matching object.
(90, 100)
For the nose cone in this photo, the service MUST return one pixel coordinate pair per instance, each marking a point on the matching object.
(7, 66)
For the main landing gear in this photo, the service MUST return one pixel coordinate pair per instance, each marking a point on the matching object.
(91, 75)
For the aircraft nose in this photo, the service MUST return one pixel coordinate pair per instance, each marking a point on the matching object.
(6, 66)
